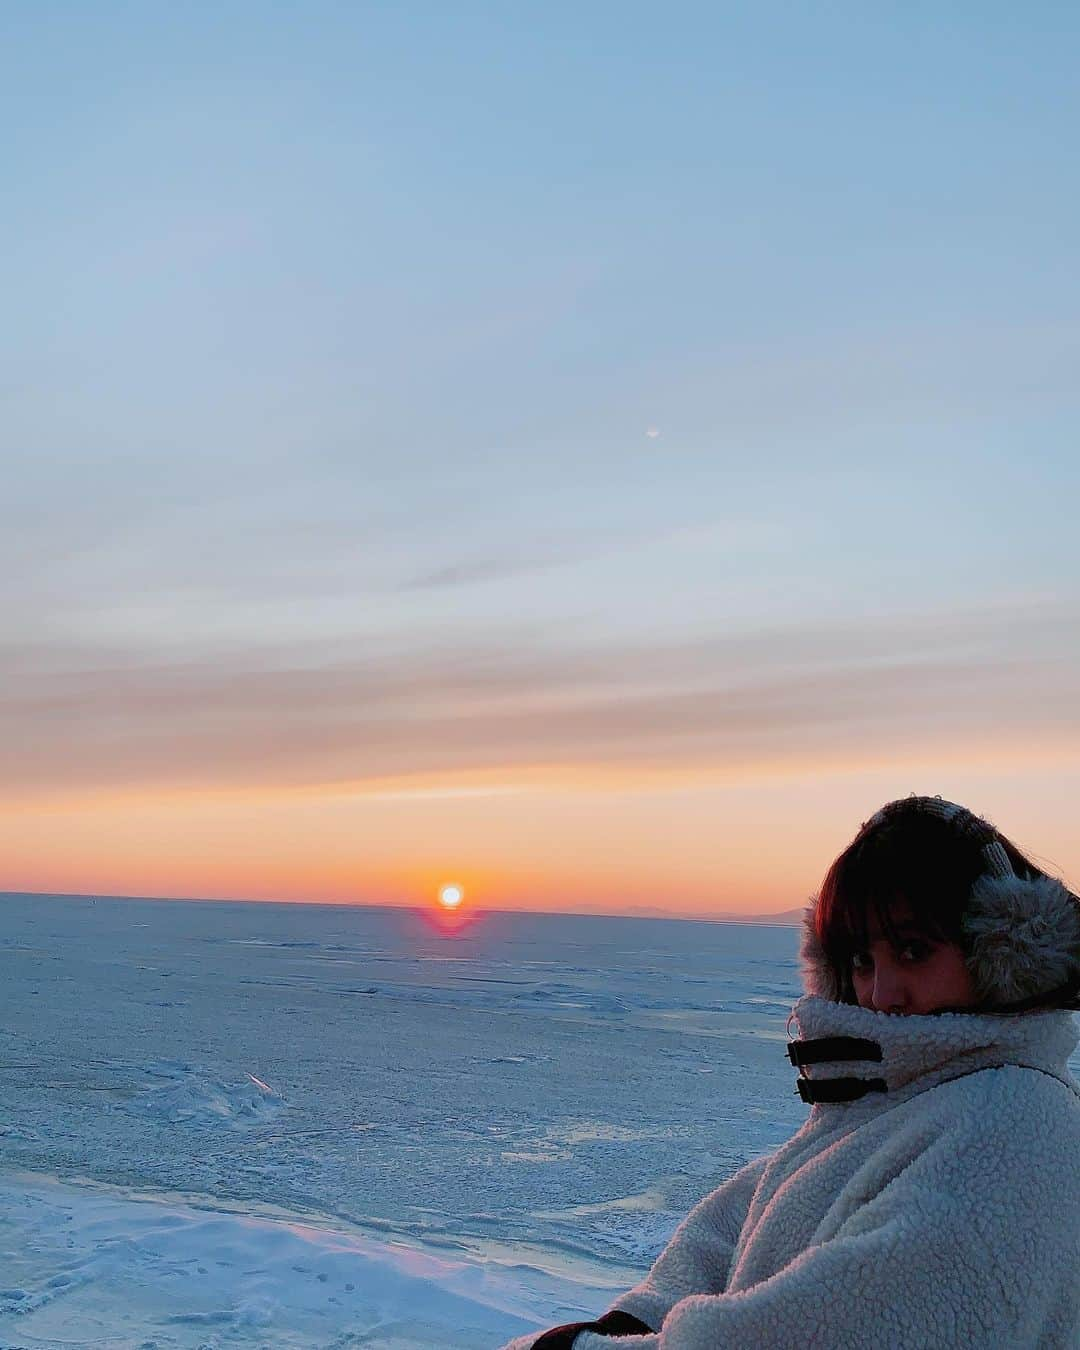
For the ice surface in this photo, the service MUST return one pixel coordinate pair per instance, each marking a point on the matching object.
(91, 1265)
(215, 1119)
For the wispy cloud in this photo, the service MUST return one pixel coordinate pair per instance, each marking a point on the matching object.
(441, 793)
(468, 572)
(80, 718)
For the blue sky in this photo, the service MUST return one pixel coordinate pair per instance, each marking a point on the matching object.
(418, 390)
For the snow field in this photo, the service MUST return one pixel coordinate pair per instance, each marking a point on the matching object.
(232, 1125)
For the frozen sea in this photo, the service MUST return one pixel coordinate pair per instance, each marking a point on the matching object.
(315, 1126)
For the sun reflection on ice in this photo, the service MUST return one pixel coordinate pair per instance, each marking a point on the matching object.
(448, 914)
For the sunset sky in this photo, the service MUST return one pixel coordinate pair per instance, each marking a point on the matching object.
(594, 454)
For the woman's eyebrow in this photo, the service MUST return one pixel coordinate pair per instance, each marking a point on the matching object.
(914, 930)
(905, 928)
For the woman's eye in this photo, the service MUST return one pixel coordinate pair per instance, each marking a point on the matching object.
(861, 961)
(914, 951)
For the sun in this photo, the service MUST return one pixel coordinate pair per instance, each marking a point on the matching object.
(451, 896)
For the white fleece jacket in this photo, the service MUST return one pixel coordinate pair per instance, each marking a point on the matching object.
(943, 1212)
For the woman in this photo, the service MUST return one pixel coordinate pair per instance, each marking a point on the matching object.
(932, 1198)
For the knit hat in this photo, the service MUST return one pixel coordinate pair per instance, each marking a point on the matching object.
(1021, 938)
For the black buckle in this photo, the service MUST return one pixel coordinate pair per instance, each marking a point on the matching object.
(829, 1049)
(813, 1090)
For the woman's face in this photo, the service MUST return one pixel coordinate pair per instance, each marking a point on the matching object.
(918, 975)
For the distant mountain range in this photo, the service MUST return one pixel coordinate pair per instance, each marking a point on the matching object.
(788, 918)
(784, 918)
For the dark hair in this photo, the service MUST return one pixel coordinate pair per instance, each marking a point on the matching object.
(910, 859)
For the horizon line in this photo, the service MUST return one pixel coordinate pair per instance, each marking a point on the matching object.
(768, 919)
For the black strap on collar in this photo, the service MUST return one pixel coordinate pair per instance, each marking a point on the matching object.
(828, 1049)
(815, 1090)
(833, 1049)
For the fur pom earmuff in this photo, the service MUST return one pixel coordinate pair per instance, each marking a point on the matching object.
(1022, 937)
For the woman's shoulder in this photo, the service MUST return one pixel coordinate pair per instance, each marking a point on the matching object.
(1014, 1085)
(1026, 1105)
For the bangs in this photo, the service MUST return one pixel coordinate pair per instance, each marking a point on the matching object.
(894, 911)
(904, 877)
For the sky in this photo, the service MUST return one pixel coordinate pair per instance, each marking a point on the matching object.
(592, 454)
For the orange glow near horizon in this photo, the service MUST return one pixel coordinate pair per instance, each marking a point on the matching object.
(755, 846)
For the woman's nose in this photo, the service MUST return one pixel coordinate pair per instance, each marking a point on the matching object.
(890, 990)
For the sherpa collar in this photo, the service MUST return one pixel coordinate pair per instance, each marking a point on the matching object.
(926, 1049)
